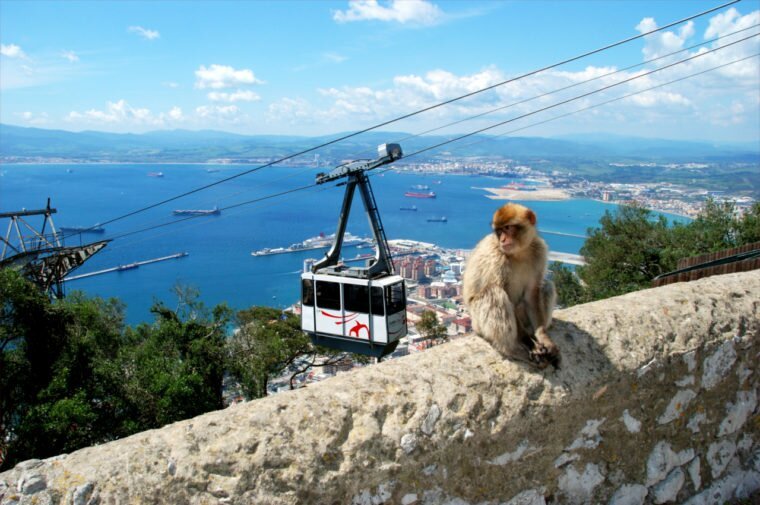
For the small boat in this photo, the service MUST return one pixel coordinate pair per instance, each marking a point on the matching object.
(128, 266)
(197, 212)
(212, 170)
(155, 174)
(441, 219)
(413, 208)
(414, 194)
(420, 187)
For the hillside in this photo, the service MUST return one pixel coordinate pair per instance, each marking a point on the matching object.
(601, 157)
(205, 145)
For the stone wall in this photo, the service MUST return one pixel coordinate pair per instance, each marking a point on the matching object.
(656, 402)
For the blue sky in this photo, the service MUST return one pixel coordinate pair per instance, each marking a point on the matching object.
(321, 67)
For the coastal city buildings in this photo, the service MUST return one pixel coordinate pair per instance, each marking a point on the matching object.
(686, 199)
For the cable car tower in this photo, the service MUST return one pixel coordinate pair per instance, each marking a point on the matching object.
(40, 255)
(356, 309)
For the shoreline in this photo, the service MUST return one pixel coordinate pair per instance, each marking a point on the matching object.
(539, 195)
(652, 209)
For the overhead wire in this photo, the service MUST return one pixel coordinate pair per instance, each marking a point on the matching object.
(225, 197)
(580, 83)
(594, 106)
(501, 123)
(563, 102)
(606, 102)
(565, 88)
(201, 222)
(414, 113)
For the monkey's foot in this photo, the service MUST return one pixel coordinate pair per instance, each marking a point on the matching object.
(543, 356)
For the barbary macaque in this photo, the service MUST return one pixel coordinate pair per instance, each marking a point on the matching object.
(504, 288)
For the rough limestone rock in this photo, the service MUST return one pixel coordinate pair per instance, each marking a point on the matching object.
(656, 401)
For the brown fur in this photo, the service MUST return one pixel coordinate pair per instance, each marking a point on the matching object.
(508, 298)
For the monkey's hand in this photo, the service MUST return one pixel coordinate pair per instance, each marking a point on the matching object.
(544, 352)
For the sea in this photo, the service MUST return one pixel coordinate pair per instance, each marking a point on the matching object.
(219, 263)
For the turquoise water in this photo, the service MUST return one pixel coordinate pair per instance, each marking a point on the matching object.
(220, 264)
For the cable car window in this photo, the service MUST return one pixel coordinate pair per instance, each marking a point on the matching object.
(395, 298)
(328, 295)
(356, 298)
(377, 301)
(307, 292)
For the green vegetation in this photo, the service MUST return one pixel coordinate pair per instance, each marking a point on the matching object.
(633, 246)
(431, 329)
(266, 343)
(73, 375)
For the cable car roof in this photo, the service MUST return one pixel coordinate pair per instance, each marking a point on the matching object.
(347, 279)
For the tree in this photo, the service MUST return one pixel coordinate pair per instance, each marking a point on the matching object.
(626, 253)
(431, 330)
(717, 227)
(569, 289)
(174, 368)
(71, 374)
(53, 395)
(749, 227)
(633, 246)
(265, 344)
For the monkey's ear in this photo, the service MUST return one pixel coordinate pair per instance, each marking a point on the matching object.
(530, 216)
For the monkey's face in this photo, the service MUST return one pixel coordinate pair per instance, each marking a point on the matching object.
(511, 237)
(514, 226)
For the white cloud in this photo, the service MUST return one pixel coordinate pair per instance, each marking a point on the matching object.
(442, 85)
(417, 91)
(219, 114)
(121, 114)
(334, 57)
(664, 42)
(420, 12)
(293, 111)
(144, 32)
(176, 114)
(12, 51)
(238, 96)
(659, 98)
(34, 119)
(170, 84)
(70, 55)
(223, 76)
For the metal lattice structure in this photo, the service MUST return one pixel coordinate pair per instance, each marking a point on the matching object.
(41, 255)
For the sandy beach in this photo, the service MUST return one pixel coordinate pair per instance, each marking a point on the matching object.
(542, 194)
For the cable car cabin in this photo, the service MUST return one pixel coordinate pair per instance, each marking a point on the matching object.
(354, 309)
(363, 316)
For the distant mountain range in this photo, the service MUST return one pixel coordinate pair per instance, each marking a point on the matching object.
(207, 145)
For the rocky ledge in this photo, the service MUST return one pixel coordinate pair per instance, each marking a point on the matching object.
(656, 402)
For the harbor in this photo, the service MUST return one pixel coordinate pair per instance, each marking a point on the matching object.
(128, 266)
(321, 241)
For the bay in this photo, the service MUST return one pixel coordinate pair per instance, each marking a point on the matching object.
(219, 263)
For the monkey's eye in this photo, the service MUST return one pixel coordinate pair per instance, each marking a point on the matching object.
(510, 229)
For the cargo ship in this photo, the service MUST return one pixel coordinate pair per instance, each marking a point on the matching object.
(416, 194)
(82, 229)
(437, 219)
(197, 212)
(321, 241)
